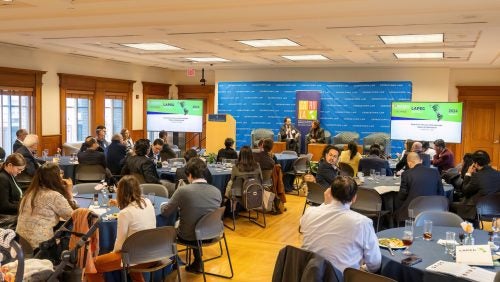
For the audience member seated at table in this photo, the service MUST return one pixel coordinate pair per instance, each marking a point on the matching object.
(351, 156)
(266, 158)
(193, 201)
(418, 180)
(20, 135)
(246, 167)
(136, 214)
(160, 152)
(167, 151)
(426, 148)
(228, 152)
(29, 146)
(443, 159)
(456, 175)
(2, 154)
(100, 132)
(47, 199)
(340, 235)
(327, 167)
(480, 180)
(117, 151)
(374, 161)
(129, 143)
(10, 192)
(180, 173)
(417, 148)
(316, 134)
(140, 164)
(290, 134)
(91, 156)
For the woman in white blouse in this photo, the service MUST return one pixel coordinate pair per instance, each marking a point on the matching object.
(136, 214)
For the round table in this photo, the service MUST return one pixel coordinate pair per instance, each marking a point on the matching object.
(429, 251)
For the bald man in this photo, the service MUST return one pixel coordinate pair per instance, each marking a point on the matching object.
(418, 180)
(417, 148)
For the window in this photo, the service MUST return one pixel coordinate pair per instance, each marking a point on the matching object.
(77, 119)
(16, 111)
(114, 115)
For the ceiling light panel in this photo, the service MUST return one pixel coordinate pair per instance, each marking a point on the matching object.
(412, 38)
(152, 46)
(262, 43)
(306, 57)
(208, 59)
(430, 55)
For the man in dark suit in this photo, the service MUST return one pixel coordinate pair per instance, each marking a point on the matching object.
(417, 181)
(117, 151)
(20, 135)
(167, 152)
(29, 146)
(290, 134)
(417, 148)
(374, 161)
(101, 137)
(160, 151)
(480, 180)
(92, 155)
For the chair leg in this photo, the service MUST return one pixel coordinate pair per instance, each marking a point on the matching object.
(229, 260)
(124, 274)
(378, 221)
(233, 214)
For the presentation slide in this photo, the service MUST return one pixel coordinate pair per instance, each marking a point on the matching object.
(426, 121)
(174, 115)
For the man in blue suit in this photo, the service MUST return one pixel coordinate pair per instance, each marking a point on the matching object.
(416, 181)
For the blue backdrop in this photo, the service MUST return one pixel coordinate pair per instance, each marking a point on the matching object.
(364, 107)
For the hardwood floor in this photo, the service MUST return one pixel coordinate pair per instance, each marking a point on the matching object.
(254, 249)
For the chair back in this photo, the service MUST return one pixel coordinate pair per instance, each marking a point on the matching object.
(149, 245)
(85, 188)
(158, 189)
(379, 138)
(89, 173)
(287, 152)
(344, 137)
(367, 200)
(315, 193)
(210, 226)
(488, 207)
(300, 165)
(178, 162)
(328, 137)
(345, 169)
(258, 134)
(356, 275)
(439, 218)
(428, 203)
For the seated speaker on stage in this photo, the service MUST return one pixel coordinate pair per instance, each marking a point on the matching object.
(316, 134)
(291, 135)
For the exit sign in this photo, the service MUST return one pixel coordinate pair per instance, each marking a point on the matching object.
(191, 72)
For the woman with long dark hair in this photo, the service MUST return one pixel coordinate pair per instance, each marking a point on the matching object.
(136, 213)
(316, 134)
(10, 192)
(246, 167)
(47, 199)
(351, 156)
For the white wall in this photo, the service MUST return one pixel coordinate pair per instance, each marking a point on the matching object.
(53, 63)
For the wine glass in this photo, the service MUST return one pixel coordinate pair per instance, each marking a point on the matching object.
(495, 227)
(408, 237)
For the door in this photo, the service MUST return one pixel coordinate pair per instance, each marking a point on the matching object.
(481, 128)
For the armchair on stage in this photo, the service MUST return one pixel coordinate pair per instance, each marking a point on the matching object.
(383, 139)
(344, 137)
(260, 133)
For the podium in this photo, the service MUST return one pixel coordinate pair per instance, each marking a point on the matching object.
(316, 149)
(219, 127)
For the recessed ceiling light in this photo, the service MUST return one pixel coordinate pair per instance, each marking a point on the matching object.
(432, 55)
(152, 46)
(208, 59)
(306, 57)
(412, 38)
(260, 43)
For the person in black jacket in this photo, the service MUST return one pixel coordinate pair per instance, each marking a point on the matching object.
(374, 161)
(10, 192)
(417, 181)
(160, 151)
(117, 151)
(29, 146)
(92, 155)
(228, 152)
(20, 135)
(327, 167)
(166, 152)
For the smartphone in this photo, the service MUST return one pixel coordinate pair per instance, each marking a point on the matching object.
(411, 260)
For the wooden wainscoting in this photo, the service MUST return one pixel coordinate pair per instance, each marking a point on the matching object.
(51, 142)
(137, 134)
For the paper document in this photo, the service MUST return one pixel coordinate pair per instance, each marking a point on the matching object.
(462, 270)
(474, 255)
(386, 189)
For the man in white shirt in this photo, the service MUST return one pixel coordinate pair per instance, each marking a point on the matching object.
(342, 236)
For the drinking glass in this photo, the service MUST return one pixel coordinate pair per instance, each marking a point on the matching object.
(410, 214)
(372, 173)
(408, 237)
(361, 176)
(151, 197)
(450, 243)
(427, 230)
(461, 236)
(377, 175)
(382, 172)
(495, 227)
(45, 154)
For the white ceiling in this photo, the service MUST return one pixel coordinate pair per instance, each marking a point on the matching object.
(346, 31)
